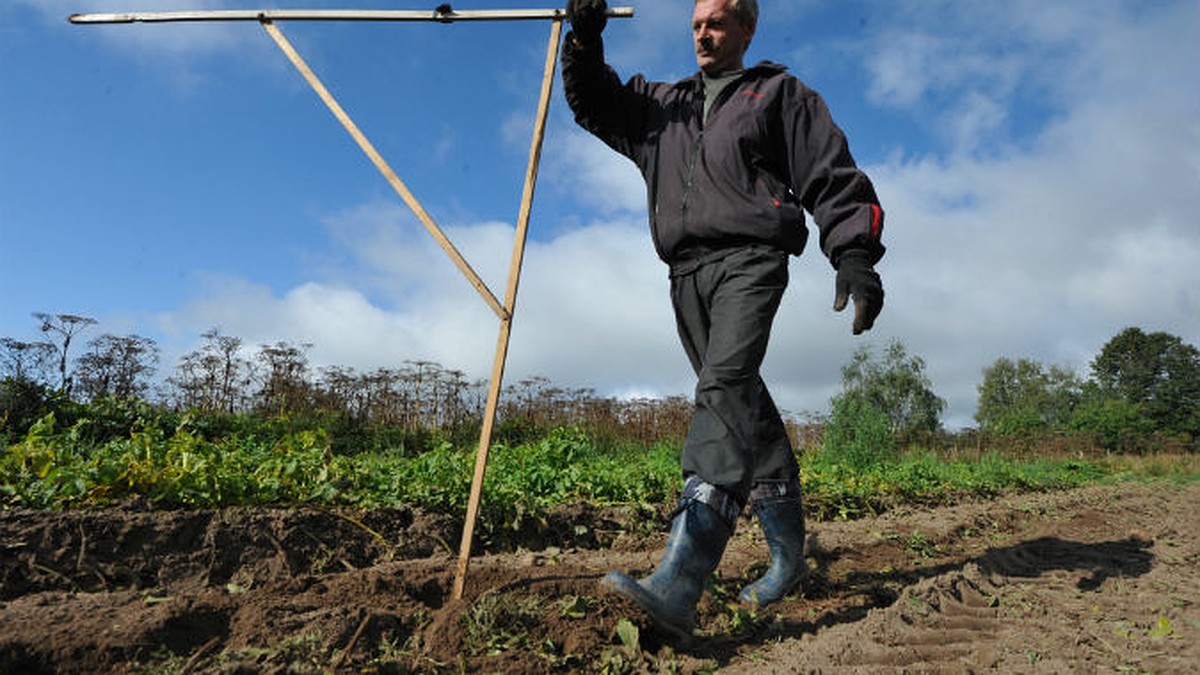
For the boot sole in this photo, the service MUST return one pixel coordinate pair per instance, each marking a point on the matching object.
(752, 600)
(628, 588)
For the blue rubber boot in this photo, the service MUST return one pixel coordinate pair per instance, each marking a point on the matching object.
(697, 541)
(781, 517)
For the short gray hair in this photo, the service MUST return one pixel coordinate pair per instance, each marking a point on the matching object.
(746, 11)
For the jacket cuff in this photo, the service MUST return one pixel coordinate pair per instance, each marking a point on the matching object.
(870, 253)
(575, 44)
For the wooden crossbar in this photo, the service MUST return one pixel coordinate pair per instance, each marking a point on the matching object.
(446, 16)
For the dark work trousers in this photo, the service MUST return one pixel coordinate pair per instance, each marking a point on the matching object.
(724, 310)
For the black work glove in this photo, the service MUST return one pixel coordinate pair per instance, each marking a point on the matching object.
(588, 19)
(856, 277)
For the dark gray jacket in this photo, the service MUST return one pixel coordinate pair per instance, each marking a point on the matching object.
(768, 151)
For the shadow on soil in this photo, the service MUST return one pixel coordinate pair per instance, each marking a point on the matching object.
(1128, 557)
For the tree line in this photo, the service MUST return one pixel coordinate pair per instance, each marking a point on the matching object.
(1142, 390)
(225, 377)
(1141, 394)
(1140, 386)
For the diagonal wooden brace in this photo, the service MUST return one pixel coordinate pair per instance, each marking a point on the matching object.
(381, 164)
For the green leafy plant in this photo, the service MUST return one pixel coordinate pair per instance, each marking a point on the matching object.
(196, 465)
(1162, 628)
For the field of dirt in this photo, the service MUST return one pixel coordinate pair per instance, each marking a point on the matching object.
(1101, 579)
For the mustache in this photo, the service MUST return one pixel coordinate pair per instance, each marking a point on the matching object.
(707, 44)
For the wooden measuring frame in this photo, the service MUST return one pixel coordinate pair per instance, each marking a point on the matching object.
(267, 18)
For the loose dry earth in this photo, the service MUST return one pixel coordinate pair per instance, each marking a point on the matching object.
(1102, 579)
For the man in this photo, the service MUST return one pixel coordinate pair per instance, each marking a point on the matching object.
(732, 157)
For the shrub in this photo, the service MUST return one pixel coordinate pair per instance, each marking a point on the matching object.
(1117, 424)
(22, 403)
(858, 435)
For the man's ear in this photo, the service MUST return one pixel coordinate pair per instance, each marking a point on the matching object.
(750, 38)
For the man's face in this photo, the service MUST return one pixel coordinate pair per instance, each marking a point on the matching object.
(719, 38)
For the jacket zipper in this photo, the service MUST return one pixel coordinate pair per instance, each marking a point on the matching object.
(697, 146)
(690, 180)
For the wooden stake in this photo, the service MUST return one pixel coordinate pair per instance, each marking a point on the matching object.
(510, 299)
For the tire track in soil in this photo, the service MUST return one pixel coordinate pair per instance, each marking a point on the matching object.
(1090, 584)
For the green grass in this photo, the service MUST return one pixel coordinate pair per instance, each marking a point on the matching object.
(834, 492)
(57, 468)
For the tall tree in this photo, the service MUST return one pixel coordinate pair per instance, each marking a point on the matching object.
(1158, 372)
(895, 385)
(284, 369)
(66, 327)
(25, 361)
(1022, 395)
(214, 377)
(119, 366)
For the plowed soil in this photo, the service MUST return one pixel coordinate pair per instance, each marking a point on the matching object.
(1101, 579)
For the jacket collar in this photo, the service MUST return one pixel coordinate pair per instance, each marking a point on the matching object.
(762, 68)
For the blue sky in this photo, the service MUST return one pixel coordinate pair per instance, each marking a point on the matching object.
(1039, 163)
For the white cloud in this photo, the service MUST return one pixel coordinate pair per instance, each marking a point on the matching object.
(903, 70)
(591, 311)
(596, 176)
(977, 117)
(594, 311)
(1050, 248)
